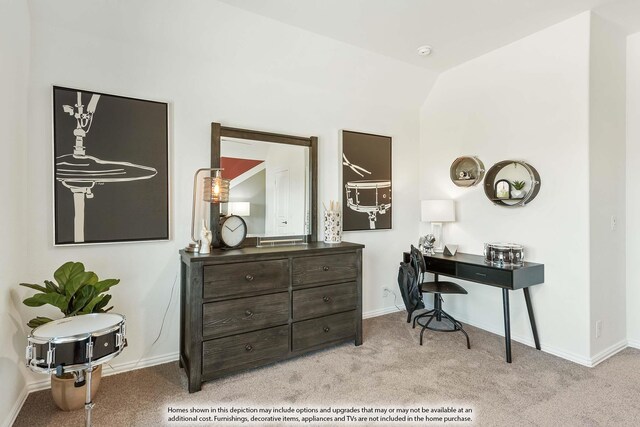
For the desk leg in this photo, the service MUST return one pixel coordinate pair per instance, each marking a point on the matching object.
(532, 319)
(507, 323)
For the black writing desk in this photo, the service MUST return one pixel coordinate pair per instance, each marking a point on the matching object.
(474, 269)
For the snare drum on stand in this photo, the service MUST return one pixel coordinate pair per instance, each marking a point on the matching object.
(77, 344)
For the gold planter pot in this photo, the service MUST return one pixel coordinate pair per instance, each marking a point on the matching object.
(67, 396)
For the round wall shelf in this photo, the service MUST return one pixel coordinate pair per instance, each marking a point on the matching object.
(466, 171)
(503, 179)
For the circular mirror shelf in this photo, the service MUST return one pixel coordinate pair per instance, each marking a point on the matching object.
(512, 183)
(466, 171)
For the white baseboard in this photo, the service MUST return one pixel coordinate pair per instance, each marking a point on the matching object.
(380, 312)
(634, 343)
(112, 369)
(15, 410)
(608, 352)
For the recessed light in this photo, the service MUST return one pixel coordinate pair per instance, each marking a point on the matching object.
(425, 50)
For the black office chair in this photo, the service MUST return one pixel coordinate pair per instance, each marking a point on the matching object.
(437, 288)
(408, 283)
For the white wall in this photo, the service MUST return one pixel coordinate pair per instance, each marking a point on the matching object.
(526, 101)
(607, 86)
(633, 190)
(14, 64)
(213, 62)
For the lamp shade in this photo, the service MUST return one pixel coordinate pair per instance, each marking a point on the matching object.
(438, 210)
(216, 188)
(239, 208)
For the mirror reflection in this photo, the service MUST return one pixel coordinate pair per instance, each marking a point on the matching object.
(270, 186)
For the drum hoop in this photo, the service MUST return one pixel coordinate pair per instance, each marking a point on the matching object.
(79, 337)
(366, 185)
(367, 208)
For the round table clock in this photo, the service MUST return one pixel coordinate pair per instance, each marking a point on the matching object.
(233, 231)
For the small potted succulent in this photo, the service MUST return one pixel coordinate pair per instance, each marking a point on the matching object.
(518, 189)
(75, 292)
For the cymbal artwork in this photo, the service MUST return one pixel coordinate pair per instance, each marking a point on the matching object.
(82, 173)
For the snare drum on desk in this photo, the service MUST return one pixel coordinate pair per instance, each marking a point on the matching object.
(76, 342)
(504, 254)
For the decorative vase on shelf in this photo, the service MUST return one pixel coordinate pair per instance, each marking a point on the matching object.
(517, 194)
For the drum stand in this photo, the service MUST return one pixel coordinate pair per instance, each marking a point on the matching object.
(88, 404)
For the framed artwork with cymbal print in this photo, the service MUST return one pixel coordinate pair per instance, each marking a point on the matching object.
(110, 168)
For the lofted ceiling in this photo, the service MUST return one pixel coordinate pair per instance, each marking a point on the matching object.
(458, 30)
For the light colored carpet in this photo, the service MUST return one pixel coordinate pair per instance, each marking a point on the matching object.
(389, 369)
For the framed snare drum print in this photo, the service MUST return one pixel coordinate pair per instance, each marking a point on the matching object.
(366, 181)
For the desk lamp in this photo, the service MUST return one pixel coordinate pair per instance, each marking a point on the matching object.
(216, 190)
(438, 212)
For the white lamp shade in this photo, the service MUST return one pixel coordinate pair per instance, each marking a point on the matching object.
(438, 210)
(239, 208)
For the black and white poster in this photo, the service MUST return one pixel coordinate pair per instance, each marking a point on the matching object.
(366, 181)
(111, 168)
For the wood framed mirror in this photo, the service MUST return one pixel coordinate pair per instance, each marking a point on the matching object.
(273, 176)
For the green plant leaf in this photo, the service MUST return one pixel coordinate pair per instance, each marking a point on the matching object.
(38, 321)
(52, 287)
(92, 307)
(78, 281)
(67, 271)
(99, 306)
(56, 300)
(106, 284)
(35, 287)
(81, 299)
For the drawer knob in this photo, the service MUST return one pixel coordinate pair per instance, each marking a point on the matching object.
(326, 299)
(326, 329)
(248, 313)
(249, 277)
(248, 347)
(325, 268)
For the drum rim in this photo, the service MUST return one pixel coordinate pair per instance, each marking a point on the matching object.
(78, 337)
(368, 184)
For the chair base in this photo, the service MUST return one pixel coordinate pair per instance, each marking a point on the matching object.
(438, 313)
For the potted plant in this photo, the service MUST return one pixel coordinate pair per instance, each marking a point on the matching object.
(517, 192)
(75, 292)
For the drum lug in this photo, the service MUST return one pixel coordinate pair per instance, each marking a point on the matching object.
(89, 351)
(120, 340)
(50, 355)
(29, 353)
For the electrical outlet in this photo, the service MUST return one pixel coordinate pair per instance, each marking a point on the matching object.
(598, 328)
(614, 222)
(385, 292)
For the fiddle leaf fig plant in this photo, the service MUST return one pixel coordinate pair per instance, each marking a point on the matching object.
(74, 292)
(518, 185)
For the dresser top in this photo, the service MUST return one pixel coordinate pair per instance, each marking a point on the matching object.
(309, 248)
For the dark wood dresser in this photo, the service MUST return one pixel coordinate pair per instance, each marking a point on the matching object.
(248, 307)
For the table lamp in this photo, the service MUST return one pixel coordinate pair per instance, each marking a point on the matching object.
(438, 212)
(216, 190)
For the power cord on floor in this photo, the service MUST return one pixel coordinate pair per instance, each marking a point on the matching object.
(395, 297)
(164, 317)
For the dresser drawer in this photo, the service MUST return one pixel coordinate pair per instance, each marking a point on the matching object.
(315, 332)
(245, 277)
(244, 351)
(488, 275)
(316, 302)
(325, 269)
(244, 314)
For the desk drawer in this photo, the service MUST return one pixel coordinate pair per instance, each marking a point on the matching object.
(312, 333)
(244, 314)
(244, 351)
(440, 266)
(316, 302)
(503, 278)
(246, 277)
(325, 269)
